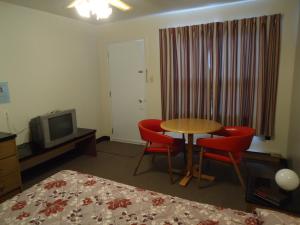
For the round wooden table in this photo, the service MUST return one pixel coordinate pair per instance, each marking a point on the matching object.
(190, 127)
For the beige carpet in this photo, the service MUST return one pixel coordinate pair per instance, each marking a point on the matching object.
(116, 161)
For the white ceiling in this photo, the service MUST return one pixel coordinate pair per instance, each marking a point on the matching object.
(139, 7)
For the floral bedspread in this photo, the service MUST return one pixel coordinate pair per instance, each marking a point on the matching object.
(70, 197)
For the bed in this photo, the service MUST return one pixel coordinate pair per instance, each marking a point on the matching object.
(70, 197)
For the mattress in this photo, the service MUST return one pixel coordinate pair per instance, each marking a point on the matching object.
(70, 197)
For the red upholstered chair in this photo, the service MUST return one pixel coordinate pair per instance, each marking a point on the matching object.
(158, 143)
(227, 148)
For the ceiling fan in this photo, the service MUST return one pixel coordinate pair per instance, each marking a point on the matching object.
(100, 8)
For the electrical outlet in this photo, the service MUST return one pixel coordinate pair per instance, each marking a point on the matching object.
(2, 113)
(3, 121)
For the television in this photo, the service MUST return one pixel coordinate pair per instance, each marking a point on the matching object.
(52, 129)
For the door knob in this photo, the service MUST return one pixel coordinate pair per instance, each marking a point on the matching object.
(140, 100)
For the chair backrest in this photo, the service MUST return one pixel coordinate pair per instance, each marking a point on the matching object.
(239, 137)
(234, 139)
(149, 131)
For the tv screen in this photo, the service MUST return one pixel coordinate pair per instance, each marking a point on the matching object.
(53, 128)
(60, 126)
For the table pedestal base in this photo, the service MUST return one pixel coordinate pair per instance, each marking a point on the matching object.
(186, 179)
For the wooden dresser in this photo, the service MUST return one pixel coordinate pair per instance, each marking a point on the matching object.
(10, 176)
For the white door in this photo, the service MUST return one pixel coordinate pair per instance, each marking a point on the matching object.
(127, 77)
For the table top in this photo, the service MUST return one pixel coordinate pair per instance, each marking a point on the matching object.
(191, 126)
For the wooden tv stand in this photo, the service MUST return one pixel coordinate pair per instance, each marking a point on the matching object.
(30, 155)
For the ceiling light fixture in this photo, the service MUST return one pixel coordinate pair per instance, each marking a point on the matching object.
(87, 8)
(100, 8)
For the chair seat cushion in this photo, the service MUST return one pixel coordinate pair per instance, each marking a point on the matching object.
(219, 157)
(176, 147)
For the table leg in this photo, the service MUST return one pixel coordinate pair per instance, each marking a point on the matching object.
(189, 174)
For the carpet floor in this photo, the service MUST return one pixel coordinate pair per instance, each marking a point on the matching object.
(116, 161)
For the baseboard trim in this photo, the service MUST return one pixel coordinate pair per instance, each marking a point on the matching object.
(102, 139)
(129, 141)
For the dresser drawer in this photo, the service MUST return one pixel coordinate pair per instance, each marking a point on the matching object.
(9, 165)
(10, 182)
(7, 148)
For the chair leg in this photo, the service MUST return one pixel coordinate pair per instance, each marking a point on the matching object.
(140, 160)
(170, 167)
(207, 164)
(153, 158)
(200, 165)
(184, 157)
(237, 170)
(138, 165)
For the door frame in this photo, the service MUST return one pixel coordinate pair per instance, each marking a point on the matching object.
(123, 140)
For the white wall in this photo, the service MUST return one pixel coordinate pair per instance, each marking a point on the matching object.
(294, 133)
(147, 28)
(50, 62)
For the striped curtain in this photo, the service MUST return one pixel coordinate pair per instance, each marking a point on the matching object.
(224, 71)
